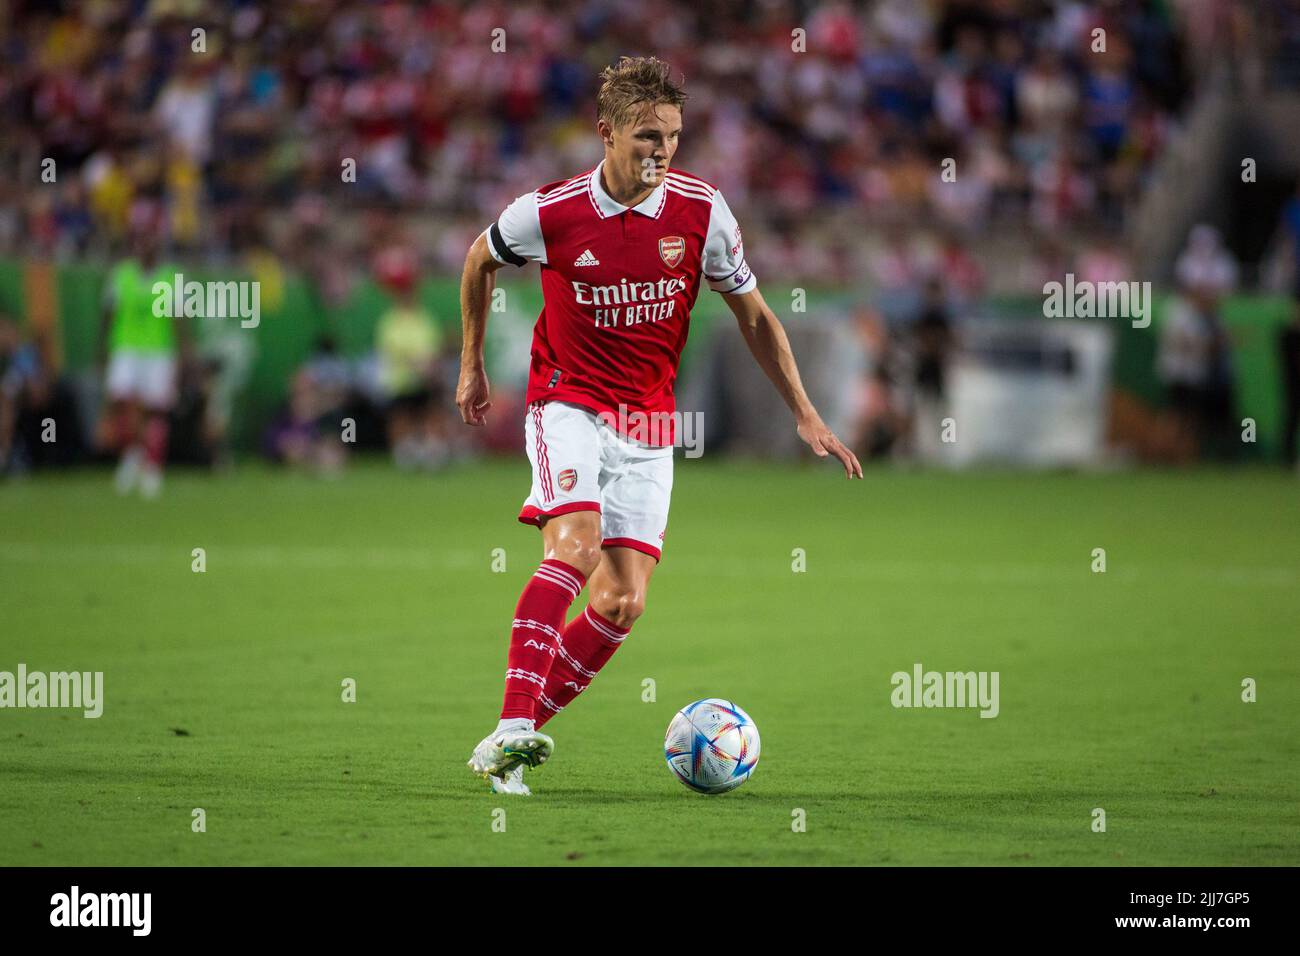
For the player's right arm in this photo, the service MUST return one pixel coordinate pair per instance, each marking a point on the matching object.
(513, 239)
(476, 284)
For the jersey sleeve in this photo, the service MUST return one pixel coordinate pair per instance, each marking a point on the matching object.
(724, 263)
(516, 237)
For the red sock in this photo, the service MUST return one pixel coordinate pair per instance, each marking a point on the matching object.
(586, 646)
(155, 440)
(539, 617)
(123, 430)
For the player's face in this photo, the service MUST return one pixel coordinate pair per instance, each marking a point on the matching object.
(644, 148)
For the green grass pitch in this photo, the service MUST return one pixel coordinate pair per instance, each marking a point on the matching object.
(1119, 690)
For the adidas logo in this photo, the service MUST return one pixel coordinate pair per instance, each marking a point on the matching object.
(586, 259)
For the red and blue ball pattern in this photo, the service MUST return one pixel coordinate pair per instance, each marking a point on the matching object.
(712, 746)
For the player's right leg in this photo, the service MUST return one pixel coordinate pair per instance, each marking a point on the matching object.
(124, 419)
(572, 553)
(563, 446)
(130, 461)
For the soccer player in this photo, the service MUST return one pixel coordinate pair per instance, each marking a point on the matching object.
(142, 364)
(623, 248)
(408, 344)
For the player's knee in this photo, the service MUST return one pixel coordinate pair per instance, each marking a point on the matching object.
(620, 606)
(577, 552)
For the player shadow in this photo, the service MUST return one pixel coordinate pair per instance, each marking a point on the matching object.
(585, 795)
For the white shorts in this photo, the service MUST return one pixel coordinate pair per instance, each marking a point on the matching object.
(580, 463)
(147, 377)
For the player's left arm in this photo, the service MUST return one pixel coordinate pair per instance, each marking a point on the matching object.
(767, 340)
(724, 266)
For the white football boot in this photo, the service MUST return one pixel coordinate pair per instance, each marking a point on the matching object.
(512, 783)
(151, 481)
(510, 746)
(128, 470)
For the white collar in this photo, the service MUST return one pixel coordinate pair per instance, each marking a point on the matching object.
(651, 206)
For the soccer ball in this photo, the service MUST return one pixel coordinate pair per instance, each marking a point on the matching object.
(711, 746)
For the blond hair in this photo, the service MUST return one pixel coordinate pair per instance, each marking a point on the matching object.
(633, 82)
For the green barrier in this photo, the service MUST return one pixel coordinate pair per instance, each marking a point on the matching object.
(294, 318)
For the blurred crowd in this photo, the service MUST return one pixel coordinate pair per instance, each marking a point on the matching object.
(813, 118)
(904, 394)
(341, 140)
(401, 390)
(163, 389)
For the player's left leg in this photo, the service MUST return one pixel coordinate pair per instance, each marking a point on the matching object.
(617, 592)
(158, 391)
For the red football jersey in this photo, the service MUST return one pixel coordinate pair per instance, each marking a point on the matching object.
(618, 284)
